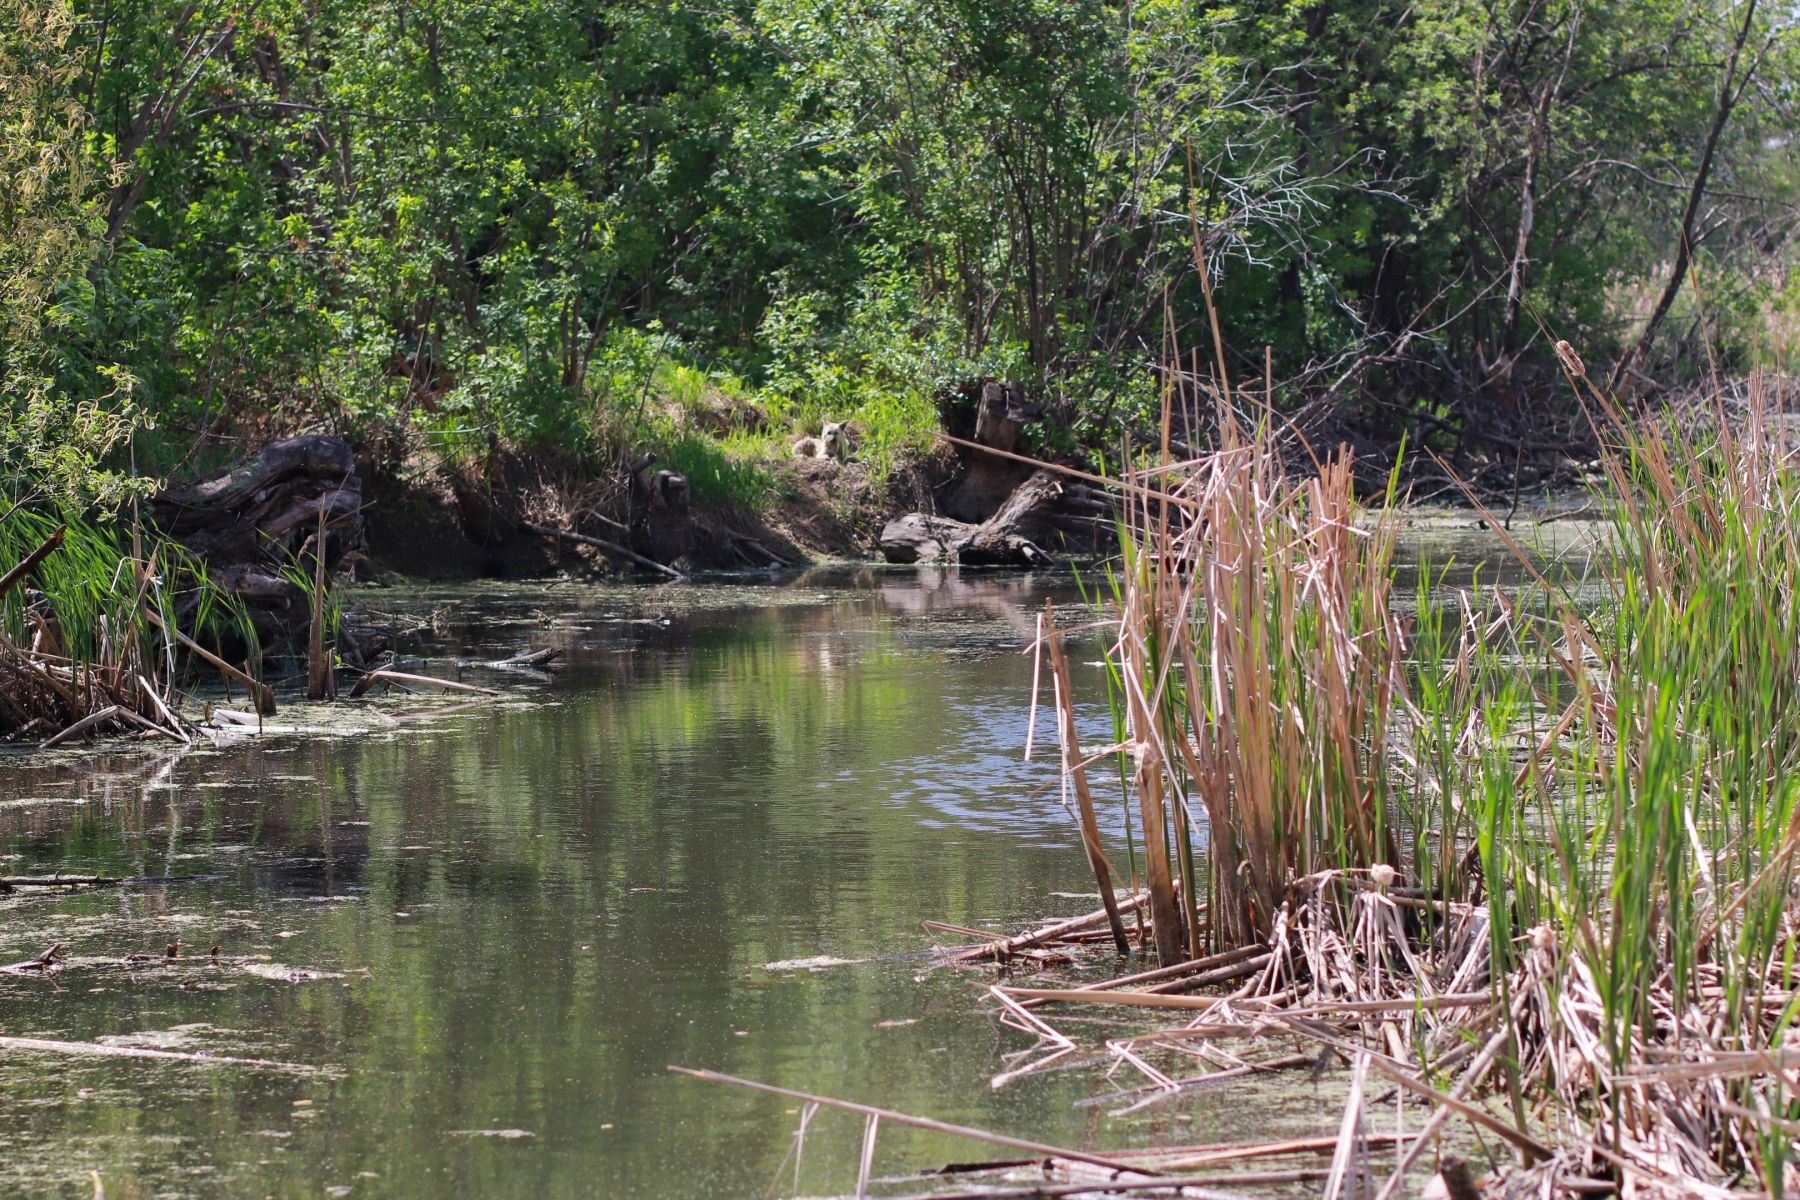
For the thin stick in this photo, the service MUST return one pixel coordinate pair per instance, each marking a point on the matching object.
(1200, 1156)
(29, 563)
(900, 1118)
(386, 676)
(602, 544)
(1346, 1008)
(50, 1046)
(1118, 485)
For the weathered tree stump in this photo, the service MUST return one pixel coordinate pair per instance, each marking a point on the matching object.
(662, 530)
(985, 481)
(250, 522)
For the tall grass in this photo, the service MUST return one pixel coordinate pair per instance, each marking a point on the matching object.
(93, 626)
(1257, 659)
(1589, 804)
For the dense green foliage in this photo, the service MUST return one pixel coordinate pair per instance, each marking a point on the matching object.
(51, 445)
(505, 224)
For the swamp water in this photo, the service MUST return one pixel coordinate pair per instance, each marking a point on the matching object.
(710, 839)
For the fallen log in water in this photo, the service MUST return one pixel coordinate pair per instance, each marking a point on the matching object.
(528, 658)
(47, 963)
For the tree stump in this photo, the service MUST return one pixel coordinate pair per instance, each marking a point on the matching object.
(251, 525)
(1014, 536)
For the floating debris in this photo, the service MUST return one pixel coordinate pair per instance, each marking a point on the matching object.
(818, 962)
(285, 974)
(508, 1134)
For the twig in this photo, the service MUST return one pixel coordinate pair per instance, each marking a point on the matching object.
(612, 548)
(386, 676)
(900, 1118)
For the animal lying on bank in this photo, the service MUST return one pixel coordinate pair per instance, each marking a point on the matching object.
(829, 443)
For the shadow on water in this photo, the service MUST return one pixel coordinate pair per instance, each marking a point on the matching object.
(520, 914)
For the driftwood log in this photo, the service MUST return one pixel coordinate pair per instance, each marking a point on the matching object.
(255, 523)
(1021, 533)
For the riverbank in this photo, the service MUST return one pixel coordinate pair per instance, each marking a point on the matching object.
(435, 518)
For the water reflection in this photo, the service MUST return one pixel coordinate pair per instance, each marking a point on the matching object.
(533, 909)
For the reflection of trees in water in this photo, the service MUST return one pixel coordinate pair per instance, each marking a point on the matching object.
(693, 805)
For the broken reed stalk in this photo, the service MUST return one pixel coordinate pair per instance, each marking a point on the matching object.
(1003, 948)
(612, 548)
(1077, 774)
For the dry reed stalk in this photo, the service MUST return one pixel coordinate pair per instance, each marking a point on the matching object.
(1073, 770)
(1002, 948)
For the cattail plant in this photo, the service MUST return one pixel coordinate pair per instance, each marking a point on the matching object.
(1257, 658)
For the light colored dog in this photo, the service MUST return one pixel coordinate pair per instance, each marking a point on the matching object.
(829, 444)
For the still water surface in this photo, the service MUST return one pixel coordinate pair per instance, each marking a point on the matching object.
(520, 914)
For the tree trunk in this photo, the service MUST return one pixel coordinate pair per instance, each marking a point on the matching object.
(1730, 91)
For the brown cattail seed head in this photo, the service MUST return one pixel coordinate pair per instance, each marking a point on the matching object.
(1571, 361)
(1382, 876)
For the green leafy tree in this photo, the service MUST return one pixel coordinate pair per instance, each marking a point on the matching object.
(52, 448)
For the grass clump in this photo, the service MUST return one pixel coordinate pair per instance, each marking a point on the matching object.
(88, 627)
